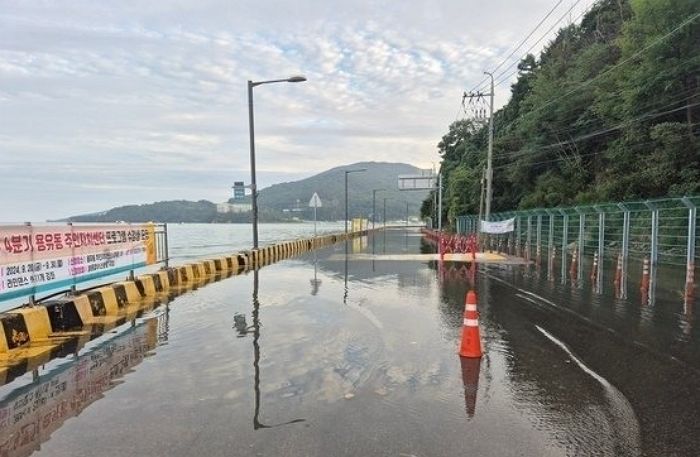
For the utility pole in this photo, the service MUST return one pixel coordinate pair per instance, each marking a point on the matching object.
(434, 221)
(439, 202)
(481, 201)
(489, 161)
(489, 158)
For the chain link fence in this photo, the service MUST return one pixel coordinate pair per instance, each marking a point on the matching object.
(660, 231)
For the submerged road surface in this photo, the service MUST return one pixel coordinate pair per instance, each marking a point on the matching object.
(327, 355)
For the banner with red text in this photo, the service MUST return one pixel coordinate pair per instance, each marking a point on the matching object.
(37, 258)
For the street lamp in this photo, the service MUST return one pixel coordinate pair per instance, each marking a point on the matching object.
(385, 199)
(374, 199)
(253, 185)
(347, 172)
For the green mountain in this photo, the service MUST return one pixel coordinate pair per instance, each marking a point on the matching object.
(167, 211)
(330, 186)
(289, 201)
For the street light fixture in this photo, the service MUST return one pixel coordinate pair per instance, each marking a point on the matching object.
(374, 199)
(347, 172)
(253, 184)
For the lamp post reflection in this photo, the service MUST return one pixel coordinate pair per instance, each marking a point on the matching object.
(345, 293)
(315, 283)
(243, 330)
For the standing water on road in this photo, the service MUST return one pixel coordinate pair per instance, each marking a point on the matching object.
(332, 354)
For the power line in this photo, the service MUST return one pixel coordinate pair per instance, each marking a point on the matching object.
(588, 154)
(646, 116)
(549, 13)
(628, 59)
(679, 97)
(499, 76)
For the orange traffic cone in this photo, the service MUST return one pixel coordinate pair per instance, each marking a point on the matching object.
(471, 341)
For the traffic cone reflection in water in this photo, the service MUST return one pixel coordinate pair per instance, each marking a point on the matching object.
(470, 379)
(471, 340)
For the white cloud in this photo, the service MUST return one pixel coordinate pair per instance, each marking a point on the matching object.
(154, 90)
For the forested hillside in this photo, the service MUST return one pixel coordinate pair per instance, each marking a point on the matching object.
(608, 111)
(289, 201)
(330, 186)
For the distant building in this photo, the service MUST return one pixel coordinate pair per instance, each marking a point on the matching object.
(233, 207)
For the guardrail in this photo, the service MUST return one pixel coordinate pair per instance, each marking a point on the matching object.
(55, 258)
(658, 230)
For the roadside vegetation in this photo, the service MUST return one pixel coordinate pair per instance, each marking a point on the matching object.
(608, 111)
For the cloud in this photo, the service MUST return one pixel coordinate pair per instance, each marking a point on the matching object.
(156, 90)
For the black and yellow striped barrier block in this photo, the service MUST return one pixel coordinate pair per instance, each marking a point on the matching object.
(31, 336)
(126, 292)
(187, 273)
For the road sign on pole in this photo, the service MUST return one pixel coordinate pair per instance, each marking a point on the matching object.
(315, 203)
(238, 190)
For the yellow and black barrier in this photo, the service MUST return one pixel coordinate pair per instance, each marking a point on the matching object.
(32, 335)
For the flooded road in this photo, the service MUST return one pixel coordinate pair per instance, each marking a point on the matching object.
(324, 355)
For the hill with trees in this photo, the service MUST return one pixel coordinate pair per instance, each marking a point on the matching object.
(608, 111)
(289, 201)
(330, 186)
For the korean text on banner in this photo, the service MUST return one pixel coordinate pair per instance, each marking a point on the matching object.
(37, 258)
(498, 227)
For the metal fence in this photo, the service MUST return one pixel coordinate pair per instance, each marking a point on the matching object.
(660, 230)
(162, 253)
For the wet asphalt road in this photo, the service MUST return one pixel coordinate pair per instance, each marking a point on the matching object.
(319, 356)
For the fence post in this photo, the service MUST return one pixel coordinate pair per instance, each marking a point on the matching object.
(550, 238)
(625, 248)
(581, 244)
(32, 297)
(538, 248)
(654, 254)
(165, 242)
(601, 246)
(564, 243)
(528, 238)
(690, 250)
(518, 229)
(550, 244)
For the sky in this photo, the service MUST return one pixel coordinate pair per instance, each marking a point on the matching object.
(122, 102)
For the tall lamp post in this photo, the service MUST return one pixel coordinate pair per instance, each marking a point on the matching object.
(374, 204)
(253, 184)
(347, 172)
(384, 218)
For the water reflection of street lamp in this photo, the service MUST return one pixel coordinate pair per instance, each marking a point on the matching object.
(374, 199)
(315, 283)
(385, 199)
(253, 185)
(256, 359)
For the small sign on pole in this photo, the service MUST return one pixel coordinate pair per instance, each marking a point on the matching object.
(238, 190)
(315, 203)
